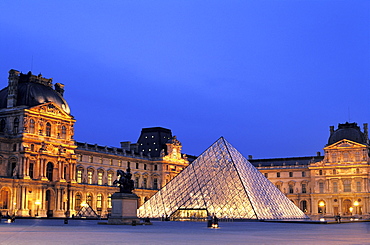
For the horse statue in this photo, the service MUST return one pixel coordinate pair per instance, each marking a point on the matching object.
(125, 183)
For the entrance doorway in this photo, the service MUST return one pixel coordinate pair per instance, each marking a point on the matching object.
(49, 202)
(347, 206)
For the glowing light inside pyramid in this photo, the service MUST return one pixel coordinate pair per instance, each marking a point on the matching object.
(222, 182)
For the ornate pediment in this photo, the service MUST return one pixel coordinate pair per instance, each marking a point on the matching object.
(345, 144)
(50, 108)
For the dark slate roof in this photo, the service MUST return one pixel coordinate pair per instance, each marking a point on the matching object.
(33, 94)
(349, 131)
(290, 161)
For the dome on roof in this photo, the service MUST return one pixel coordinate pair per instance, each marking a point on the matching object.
(349, 131)
(35, 90)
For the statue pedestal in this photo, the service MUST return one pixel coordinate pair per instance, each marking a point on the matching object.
(124, 209)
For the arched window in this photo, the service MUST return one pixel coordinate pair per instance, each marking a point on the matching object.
(30, 170)
(78, 200)
(48, 129)
(89, 199)
(2, 125)
(304, 206)
(32, 126)
(49, 171)
(90, 173)
(64, 132)
(155, 184)
(4, 199)
(16, 125)
(321, 207)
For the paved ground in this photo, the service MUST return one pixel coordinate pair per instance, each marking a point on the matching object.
(42, 231)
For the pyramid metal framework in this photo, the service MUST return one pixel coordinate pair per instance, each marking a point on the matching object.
(224, 183)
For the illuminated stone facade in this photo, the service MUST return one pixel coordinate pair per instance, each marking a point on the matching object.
(44, 172)
(336, 183)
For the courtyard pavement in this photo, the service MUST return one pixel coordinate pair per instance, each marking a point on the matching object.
(43, 231)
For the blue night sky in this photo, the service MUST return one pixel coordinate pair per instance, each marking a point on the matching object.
(269, 76)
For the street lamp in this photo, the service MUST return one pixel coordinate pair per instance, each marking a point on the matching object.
(355, 203)
(38, 203)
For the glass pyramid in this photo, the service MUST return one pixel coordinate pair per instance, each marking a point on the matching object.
(222, 182)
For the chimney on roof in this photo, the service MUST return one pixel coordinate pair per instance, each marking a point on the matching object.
(331, 129)
(366, 132)
(12, 88)
(318, 153)
(59, 87)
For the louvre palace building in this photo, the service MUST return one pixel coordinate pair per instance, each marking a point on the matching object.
(44, 172)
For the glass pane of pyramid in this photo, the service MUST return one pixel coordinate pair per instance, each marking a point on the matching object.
(221, 182)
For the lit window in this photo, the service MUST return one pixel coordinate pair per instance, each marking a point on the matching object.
(110, 161)
(89, 177)
(110, 201)
(101, 160)
(79, 176)
(91, 159)
(100, 178)
(110, 179)
(99, 198)
(78, 200)
(89, 199)
(119, 163)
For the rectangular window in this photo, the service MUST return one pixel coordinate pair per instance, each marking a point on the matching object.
(321, 187)
(144, 166)
(128, 164)
(98, 201)
(100, 178)
(144, 183)
(347, 185)
(358, 186)
(290, 174)
(335, 187)
(155, 167)
(155, 184)
(110, 161)
(91, 159)
(137, 165)
(30, 171)
(278, 174)
(303, 174)
(101, 160)
(79, 176)
(266, 175)
(137, 182)
(291, 189)
(110, 179)
(110, 201)
(304, 190)
(89, 177)
(119, 163)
